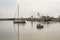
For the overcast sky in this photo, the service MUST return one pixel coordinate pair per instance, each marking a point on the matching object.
(8, 8)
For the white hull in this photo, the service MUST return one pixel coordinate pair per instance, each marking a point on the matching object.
(19, 21)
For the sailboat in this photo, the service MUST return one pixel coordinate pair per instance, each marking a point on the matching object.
(19, 21)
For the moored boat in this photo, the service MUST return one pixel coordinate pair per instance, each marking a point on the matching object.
(39, 26)
(19, 21)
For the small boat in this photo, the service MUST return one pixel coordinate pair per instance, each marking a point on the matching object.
(39, 26)
(19, 21)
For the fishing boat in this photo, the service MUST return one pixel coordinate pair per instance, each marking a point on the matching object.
(19, 21)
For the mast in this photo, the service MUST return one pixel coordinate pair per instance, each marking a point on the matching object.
(18, 11)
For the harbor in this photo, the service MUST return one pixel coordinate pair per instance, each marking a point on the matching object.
(29, 31)
(29, 20)
(32, 19)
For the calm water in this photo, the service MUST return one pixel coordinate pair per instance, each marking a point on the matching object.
(29, 31)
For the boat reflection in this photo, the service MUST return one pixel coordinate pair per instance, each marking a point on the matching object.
(23, 24)
(18, 31)
(32, 24)
(17, 28)
(48, 22)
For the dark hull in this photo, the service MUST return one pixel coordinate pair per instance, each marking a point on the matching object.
(19, 22)
(47, 20)
(39, 26)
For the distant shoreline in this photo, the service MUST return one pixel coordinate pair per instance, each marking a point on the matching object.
(29, 19)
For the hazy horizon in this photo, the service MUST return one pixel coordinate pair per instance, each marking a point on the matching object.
(29, 7)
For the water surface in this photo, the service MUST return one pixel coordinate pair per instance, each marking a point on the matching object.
(29, 31)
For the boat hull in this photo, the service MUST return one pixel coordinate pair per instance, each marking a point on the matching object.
(20, 21)
(39, 26)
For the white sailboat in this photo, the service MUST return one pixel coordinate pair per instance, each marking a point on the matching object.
(19, 21)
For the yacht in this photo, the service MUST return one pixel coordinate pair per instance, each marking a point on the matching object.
(19, 21)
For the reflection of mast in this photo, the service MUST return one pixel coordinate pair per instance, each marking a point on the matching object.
(18, 31)
(32, 23)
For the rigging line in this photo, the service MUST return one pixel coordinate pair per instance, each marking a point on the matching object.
(15, 13)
